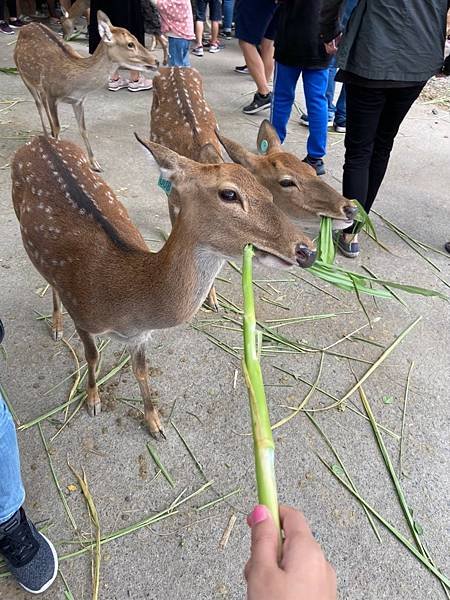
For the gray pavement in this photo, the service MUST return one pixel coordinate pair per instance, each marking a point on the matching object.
(181, 556)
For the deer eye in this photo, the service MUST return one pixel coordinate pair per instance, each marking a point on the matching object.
(287, 183)
(131, 45)
(228, 195)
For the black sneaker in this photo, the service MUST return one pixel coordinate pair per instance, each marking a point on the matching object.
(29, 555)
(260, 102)
(242, 70)
(316, 163)
(226, 34)
(17, 23)
(447, 246)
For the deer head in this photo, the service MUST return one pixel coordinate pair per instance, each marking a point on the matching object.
(68, 25)
(296, 188)
(123, 48)
(241, 209)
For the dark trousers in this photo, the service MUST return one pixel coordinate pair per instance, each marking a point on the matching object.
(374, 116)
(11, 9)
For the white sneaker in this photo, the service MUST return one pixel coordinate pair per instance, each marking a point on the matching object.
(140, 85)
(118, 84)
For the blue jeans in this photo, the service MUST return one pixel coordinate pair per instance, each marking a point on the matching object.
(315, 83)
(179, 52)
(336, 113)
(12, 494)
(227, 9)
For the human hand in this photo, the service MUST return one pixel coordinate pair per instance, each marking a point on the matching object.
(332, 47)
(303, 573)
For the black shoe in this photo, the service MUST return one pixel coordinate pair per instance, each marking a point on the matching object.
(447, 246)
(316, 163)
(29, 555)
(242, 70)
(226, 34)
(260, 102)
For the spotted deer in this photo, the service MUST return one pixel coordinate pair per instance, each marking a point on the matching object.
(78, 9)
(54, 72)
(80, 238)
(182, 120)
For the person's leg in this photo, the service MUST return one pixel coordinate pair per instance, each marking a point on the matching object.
(228, 7)
(331, 85)
(12, 9)
(364, 107)
(285, 82)
(215, 14)
(199, 27)
(398, 103)
(340, 116)
(315, 83)
(12, 493)
(255, 66)
(266, 51)
(178, 52)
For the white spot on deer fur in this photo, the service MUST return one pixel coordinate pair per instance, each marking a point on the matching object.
(41, 205)
(48, 210)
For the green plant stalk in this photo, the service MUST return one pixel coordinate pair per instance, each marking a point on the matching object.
(159, 464)
(402, 433)
(264, 447)
(401, 538)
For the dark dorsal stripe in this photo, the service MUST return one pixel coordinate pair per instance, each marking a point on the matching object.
(54, 38)
(82, 199)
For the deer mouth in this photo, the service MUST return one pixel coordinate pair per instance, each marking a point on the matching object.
(304, 257)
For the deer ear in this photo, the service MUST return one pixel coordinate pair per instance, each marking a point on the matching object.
(172, 166)
(64, 12)
(236, 152)
(209, 155)
(104, 27)
(268, 140)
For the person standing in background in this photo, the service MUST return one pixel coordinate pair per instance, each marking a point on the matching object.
(8, 27)
(382, 78)
(215, 14)
(127, 14)
(336, 112)
(178, 24)
(227, 21)
(300, 51)
(255, 29)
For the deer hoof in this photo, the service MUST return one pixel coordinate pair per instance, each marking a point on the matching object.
(57, 334)
(95, 166)
(94, 409)
(154, 424)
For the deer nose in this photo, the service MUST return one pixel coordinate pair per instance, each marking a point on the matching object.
(156, 63)
(350, 211)
(305, 256)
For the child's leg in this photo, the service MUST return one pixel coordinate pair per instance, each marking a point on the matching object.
(315, 83)
(200, 18)
(285, 82)
(12, 493)
(178, 52)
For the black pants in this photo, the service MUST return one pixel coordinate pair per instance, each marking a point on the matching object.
(374, 116)
(11, 9)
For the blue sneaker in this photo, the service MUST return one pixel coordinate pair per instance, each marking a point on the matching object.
(349, 249)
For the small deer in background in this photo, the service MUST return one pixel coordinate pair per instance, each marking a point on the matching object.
(54, 72)
(81, 240)
(182, 120)
(78, 9)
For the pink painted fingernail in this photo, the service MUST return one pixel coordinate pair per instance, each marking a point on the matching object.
(258, 514)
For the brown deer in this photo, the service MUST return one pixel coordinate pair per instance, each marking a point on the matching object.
(77, 10)
(81, 240)
(182, 120)
(54, 72)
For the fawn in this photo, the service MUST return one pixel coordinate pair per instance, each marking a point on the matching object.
(54, 72)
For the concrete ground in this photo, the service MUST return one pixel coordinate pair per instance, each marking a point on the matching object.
(181, 557)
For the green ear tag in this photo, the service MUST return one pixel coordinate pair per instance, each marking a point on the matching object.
(164, 184)
(263, 146)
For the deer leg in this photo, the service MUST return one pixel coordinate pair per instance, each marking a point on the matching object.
(52, 114)
(57, 319)
(164, 45)
(78, 109)
(40, 107)
(140, 370)
(94, 405)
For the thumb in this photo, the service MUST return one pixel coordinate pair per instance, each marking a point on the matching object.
(264, 550)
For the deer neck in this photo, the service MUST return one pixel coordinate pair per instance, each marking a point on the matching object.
(99, 66)
(179, 277)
